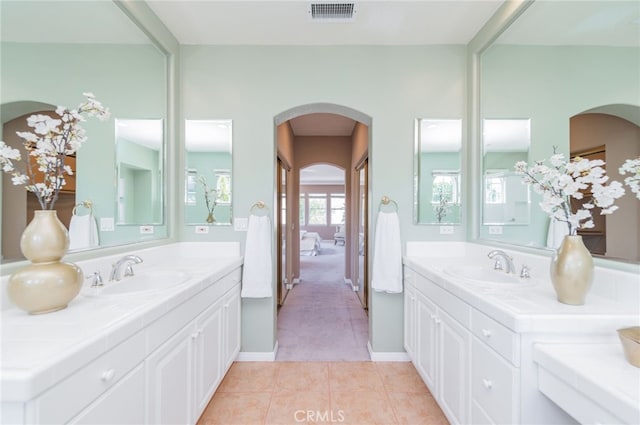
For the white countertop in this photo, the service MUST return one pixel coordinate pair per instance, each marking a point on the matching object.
(531, 307)
(596, 370)
(39, 350)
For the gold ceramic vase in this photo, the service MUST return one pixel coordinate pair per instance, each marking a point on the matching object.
(211, 218)
(572, 271)
(46, 285)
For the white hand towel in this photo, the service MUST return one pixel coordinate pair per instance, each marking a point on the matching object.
(257, 268)
(83, 232)
(556, 233)
(387, 254)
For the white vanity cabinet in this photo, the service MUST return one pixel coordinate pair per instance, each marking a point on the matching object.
(184, 372)
(164, 366)
(442, 344)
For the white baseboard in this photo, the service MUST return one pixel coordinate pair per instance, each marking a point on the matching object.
(350, 283)
(387, 356)
(289, 286)
(258, 356)
(296, 280)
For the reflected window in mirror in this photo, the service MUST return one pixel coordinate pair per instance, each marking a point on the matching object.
(506, 199)
(208, 176)
(437, 161)
(139, 168)
(556, 78)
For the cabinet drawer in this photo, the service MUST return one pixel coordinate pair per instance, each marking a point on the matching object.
(494, 384)
(496, 336)
(67, 398)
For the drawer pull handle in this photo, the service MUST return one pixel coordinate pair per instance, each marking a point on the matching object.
(194, 335)
(438, 321)
(108, 375)
(488, 384)
(486, 333)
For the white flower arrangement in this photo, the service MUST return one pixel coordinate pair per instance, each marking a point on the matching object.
(562, 181)
(632, 166)
(50, 142)
(210, 195)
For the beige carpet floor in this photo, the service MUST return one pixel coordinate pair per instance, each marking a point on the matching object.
(322, 318)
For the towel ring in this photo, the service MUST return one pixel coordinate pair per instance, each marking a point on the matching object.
(87, 204)
(386, 201)
(260, 205)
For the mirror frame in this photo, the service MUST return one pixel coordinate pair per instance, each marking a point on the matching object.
(505, 16)
(143, 17)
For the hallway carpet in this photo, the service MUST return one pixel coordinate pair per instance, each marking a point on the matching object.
(322, 318)
(363, 393)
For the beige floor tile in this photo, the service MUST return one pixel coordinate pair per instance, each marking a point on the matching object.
(250, 376)
(299, 407)
(362, 407)
(354, 376)
(236, 409)
(417, 409)
(307, 376)
(400, 376)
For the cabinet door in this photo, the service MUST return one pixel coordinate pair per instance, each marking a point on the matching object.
(231, 327)
(170, 372)
(454, 366)
(410, 321)
(426, 340)
(121, 404)
(208, 355)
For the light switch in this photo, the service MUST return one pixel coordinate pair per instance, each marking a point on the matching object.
(240, 224)
(446, 230)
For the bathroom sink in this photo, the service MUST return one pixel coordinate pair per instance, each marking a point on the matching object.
(146, 281)
(484, 275)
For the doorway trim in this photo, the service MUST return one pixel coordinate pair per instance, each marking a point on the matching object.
(315, 108)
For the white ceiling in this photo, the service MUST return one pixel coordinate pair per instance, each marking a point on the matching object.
(287, 22)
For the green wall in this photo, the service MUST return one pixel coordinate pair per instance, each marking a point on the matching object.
(392, 85)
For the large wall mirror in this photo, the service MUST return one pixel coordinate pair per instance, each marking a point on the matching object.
(208, 172)
(437, 158)
(51, 53)
(584, 64)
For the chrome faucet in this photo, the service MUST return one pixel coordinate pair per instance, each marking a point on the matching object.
(511, 268)
(129, 260)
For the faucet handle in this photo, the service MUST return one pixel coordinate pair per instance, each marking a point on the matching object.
(129, 270)
(97, 279)
(497, 265)
(524, 272)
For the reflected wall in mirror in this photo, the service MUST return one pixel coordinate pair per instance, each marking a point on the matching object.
(52, 52)
(506, 199)
(437, 198)
(586, 60)
(139, 159)
(208, 189)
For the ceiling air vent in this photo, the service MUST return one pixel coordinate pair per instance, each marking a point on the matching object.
(331, 12)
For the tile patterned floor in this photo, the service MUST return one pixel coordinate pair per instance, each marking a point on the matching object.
(364, 393)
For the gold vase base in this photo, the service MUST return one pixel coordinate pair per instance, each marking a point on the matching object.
(45, 288)
(51, 310)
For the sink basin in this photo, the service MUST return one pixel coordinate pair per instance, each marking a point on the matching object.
(156, 280)
(485, 275)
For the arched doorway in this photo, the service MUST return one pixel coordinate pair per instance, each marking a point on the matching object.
(313, 139)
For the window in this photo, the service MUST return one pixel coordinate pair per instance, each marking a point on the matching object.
(337, 208)
(223, 186)
(303, 204)
(190, 180)
(445, 187)
(494, 188)
(317, 209)
(283, 208)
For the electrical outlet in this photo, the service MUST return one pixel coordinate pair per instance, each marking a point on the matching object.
(107, 224)
(202, 229)
(495, 230)
(446, 230)
(240, 224)
(146, 230)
